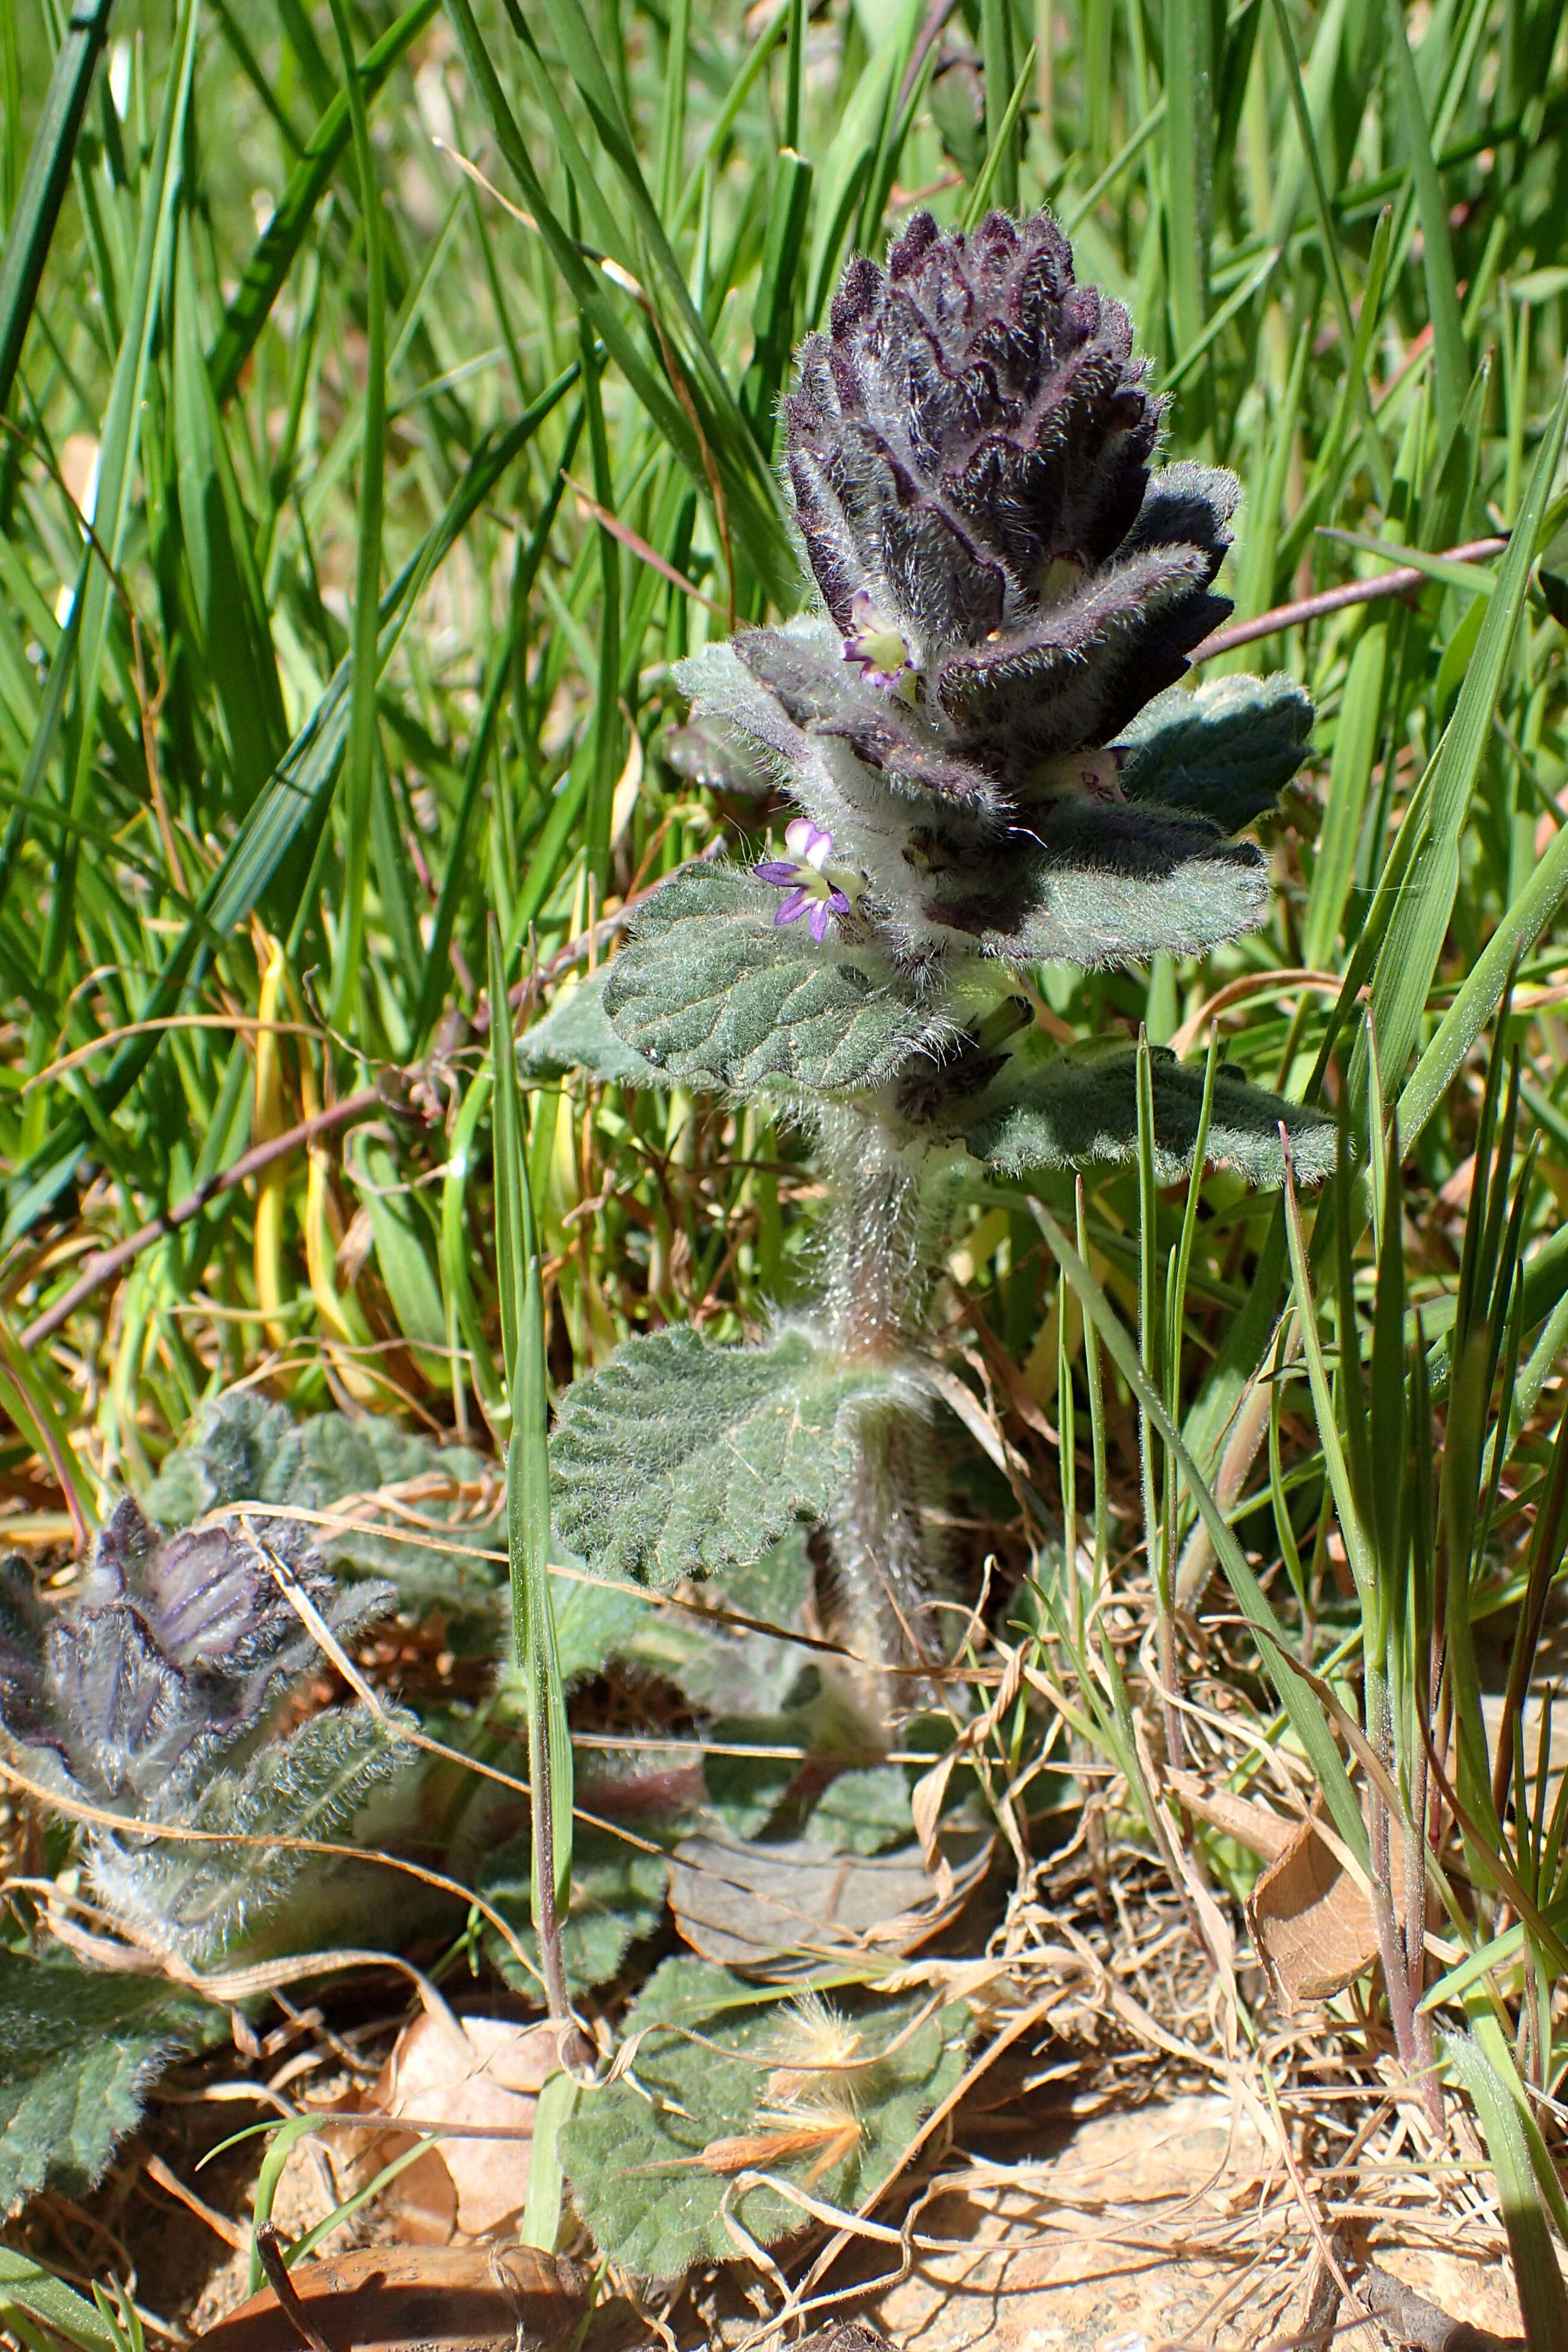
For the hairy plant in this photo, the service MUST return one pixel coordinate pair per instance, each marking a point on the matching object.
(154, 1695)
(994, 768)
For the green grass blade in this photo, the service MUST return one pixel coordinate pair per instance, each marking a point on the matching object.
(1418, 918)
(1358, 1551)
(1231, 308)
(773, 312)
(437, 973)
(1329, 239)
(1471, 579)
(118, 457)
(607, 703)
(540, 2224)
(672, 116)
(27, 2287)
(219, 543)
(1003, 150)
(1001, 115)
(1349, 774)
(1189, 162)
(794, 81)
(361, 750)
(41, 748)
(1150, 1328)
(1483, 988)
(1507, 2127)
(456, 1256)
(1324, 72)
(1452, 367)
(1305, 1717)
(31, 226)
(535, 1647)
(278, 246)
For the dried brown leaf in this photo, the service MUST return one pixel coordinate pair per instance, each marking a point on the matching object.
(439, 2298)
(776, 1910)
(475, 2072)
(1252, 1825)
(1311, 1916)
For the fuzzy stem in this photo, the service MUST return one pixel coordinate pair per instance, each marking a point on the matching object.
(882, 1247)
(882, 1239)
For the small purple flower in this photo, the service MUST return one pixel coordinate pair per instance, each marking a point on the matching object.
(809, 879)
(879, 651)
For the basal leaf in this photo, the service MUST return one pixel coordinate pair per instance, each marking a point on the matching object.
(654, 2167)
(77, 2050)
(617, 1897)
(862, 1812)
(1066, 1110)
(722, 1668)
(680, 1459)
(714, 994)
(203, 1900)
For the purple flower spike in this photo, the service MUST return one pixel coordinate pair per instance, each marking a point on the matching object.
(808, 878)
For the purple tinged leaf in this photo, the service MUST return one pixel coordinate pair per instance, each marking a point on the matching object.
(175, 1648)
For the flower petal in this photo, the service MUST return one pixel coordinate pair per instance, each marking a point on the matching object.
(797, 834)
(790, 909)
(784, 873)
(819, 925)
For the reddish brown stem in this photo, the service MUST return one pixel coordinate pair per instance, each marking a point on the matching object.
(108, 1263)
(1398, 582)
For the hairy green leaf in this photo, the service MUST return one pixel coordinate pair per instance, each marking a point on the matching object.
(1047, 1110)
(576, 1034)
(1116, 885)
(634, 2154)
(715, 995)
(1225, 751)
(77, 2050)
(678, 1458)
(203, 1899)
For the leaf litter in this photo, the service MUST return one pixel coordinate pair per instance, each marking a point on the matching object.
(1090, 2023)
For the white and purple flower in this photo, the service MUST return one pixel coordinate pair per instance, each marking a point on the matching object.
(809, 879)
(879, 651)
